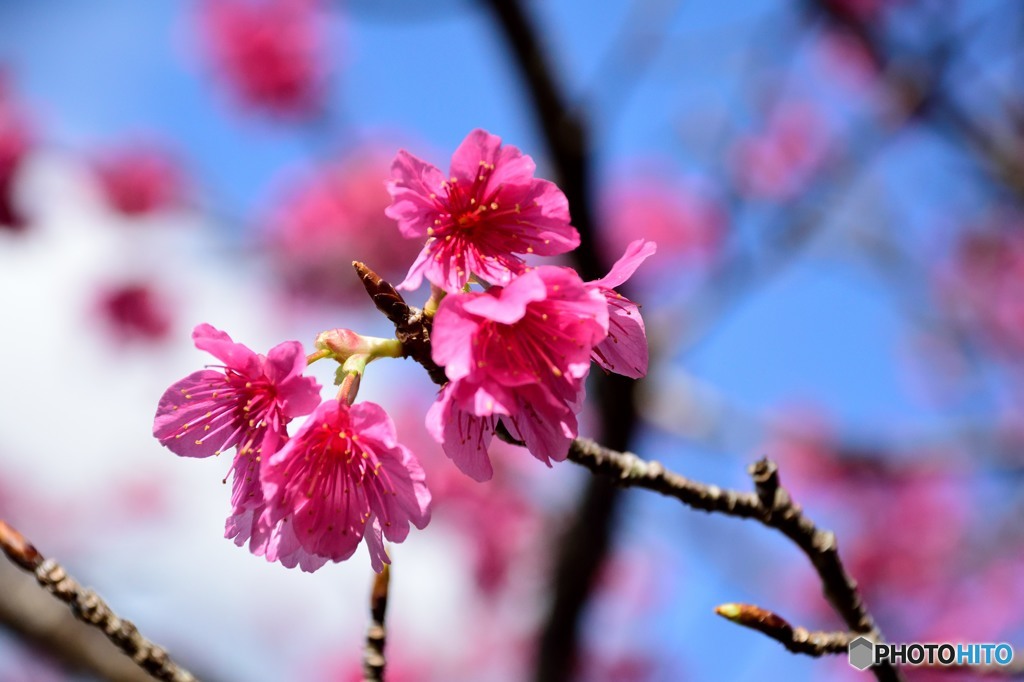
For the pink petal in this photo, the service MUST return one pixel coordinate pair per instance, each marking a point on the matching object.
(625, 350)
(636, 253)
(508, 305)
(180, 418)
(410, 502)
(371, 421)
(452, 328)
(414, 277)
(219, 345)
(464, 436)
(546, 427)
(413, 186)
(375, 545)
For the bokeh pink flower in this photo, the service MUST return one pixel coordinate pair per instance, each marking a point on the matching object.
(329, 217)
(15, 143)
(684, 219)
(270, 53)
(777, 162)
(139, 180)
(135, 311)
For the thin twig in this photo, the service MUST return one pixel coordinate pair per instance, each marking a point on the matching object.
(769, 504)
(89, 608)
(797, 639)
(376, 634)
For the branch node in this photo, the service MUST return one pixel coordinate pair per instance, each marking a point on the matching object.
(766, 482)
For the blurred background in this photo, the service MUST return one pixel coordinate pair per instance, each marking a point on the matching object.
(835, 187)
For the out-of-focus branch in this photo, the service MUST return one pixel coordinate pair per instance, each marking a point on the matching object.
(89, 608)
(920, 87)
(770, 503)
(797, 639)
(376, 635)
(585, 543)
(50, 629)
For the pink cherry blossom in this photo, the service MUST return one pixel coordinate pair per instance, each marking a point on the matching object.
(328, 217)
(269, 52)
(625, 350)
(135, 311)
(15, 142)
(137, 181)
(342, 477)
(518, 353)
(683, 217)
(488, 210)
(986, 282)
(246, 404)
(778, 162)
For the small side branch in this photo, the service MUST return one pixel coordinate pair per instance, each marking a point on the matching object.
(769, 504)
(412, 327)
(797, 639)
(376, 635)
(89, 608)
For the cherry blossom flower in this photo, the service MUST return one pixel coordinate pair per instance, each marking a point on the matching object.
(15, 142)
(135, 311)
(342, 477)
(683, 218)
(268, 52)
(489, 209)
(778, 162)
(625, 350)
(139, 181)
(244, 404)
(520, 354)
(985, 284)
(327, 218)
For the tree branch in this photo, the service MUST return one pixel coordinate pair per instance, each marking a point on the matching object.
(376, 635)
(585, 543)
(89, 608)
(770, 504)
(796, 639)
(48, 628)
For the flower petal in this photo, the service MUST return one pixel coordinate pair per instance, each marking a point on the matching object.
(636, 253)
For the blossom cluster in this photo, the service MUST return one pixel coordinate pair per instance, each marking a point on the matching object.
(516, 341)
(305, 499)
(518, 352)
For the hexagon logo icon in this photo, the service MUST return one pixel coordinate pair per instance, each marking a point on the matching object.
(862, 653)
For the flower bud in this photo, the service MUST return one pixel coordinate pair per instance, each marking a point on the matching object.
(344, 343)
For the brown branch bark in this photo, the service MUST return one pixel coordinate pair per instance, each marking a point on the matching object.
(769, 503)
(376, 635)
(89, 608)
(796, 639)
(46, 626)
